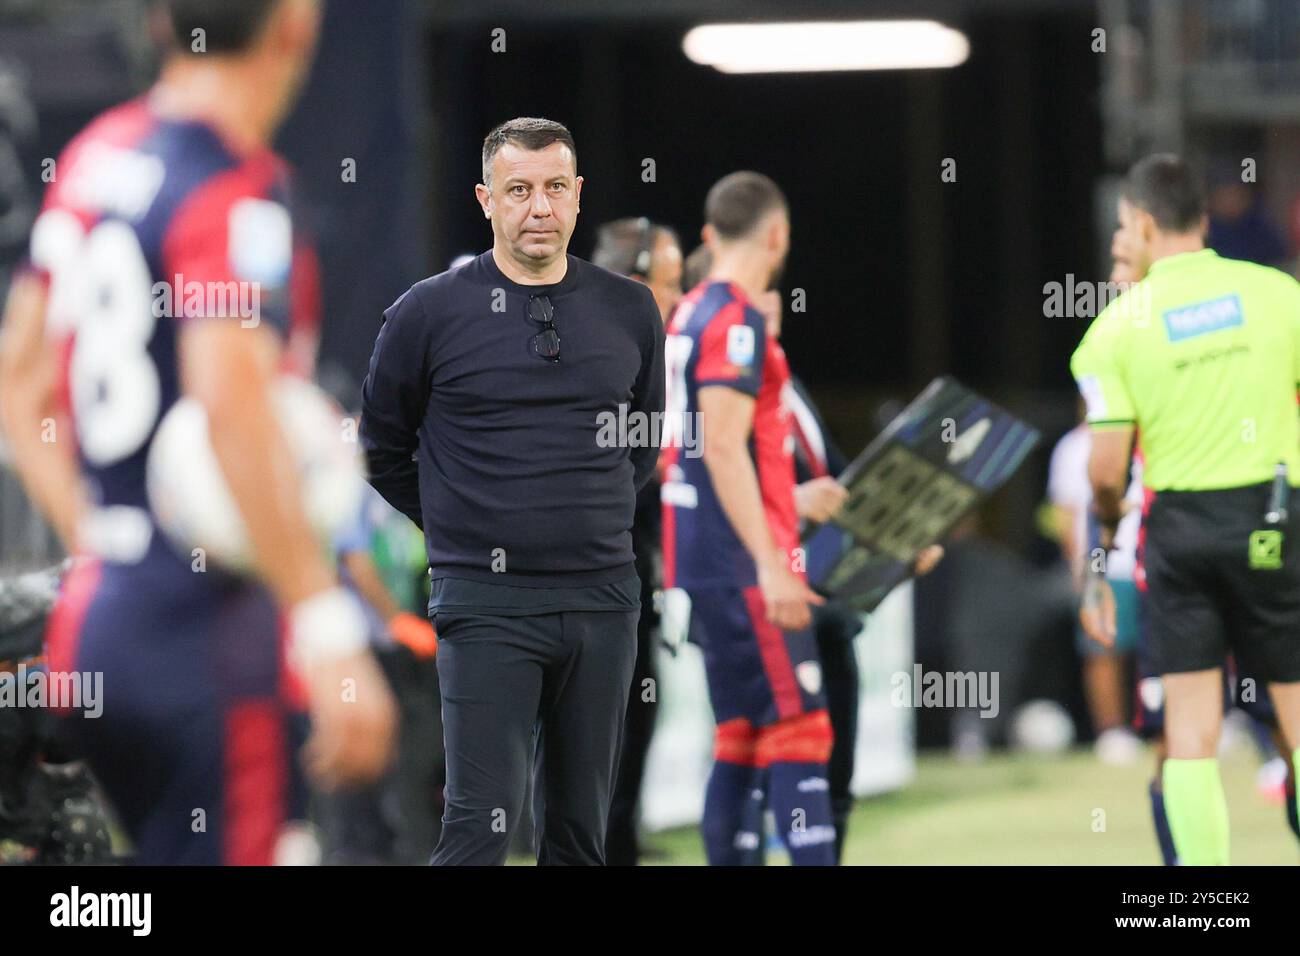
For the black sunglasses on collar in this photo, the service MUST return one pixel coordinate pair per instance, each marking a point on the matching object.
(546, 343)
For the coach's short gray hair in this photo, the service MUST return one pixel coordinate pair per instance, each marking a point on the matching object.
(528, 132)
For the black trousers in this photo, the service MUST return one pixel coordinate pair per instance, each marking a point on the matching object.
(622, 847)
(834, 628)
(554, 684)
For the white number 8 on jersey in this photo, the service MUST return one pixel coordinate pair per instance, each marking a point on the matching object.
(100, 290)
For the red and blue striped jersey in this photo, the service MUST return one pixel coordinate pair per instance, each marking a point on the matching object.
(149, 223)
(717, 337)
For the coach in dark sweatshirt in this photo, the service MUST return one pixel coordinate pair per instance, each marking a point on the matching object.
(512, 410)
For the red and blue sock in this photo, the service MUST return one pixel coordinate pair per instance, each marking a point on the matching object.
(733, 802)
(795, 752)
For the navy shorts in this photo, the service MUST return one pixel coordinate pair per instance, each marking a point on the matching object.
(754, 669)
(194, 746)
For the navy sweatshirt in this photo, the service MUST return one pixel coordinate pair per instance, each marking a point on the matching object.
(503, 458)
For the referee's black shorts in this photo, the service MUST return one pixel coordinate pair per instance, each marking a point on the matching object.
(1217, 581)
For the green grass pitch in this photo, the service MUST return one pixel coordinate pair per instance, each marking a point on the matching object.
(1011, 809)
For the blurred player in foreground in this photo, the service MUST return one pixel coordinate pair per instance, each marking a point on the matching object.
(181, 187)
(1203, 357)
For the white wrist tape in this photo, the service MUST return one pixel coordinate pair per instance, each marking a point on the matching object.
(325, 626)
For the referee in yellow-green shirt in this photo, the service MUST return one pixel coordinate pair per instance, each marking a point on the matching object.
(1200, 361)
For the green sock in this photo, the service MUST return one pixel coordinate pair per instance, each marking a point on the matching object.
(1197, 811)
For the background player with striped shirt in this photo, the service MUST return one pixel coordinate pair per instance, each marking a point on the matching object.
(731, 537)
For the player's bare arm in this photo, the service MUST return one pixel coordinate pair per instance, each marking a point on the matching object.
(1108, 471)
(229, 369)
(412, 630)
(28, 378)
(365, 576)
(727, 416)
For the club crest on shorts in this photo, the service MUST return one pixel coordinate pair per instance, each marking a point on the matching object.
(740, 346)
(809, 676)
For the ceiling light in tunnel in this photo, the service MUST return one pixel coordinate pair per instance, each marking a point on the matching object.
(817, 46)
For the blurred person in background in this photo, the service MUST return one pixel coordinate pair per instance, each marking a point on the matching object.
(696, 266)
(646, 251)
(819, 496)
(396, 819)
(1105, 667)
(1239, 225)
(651, 254)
